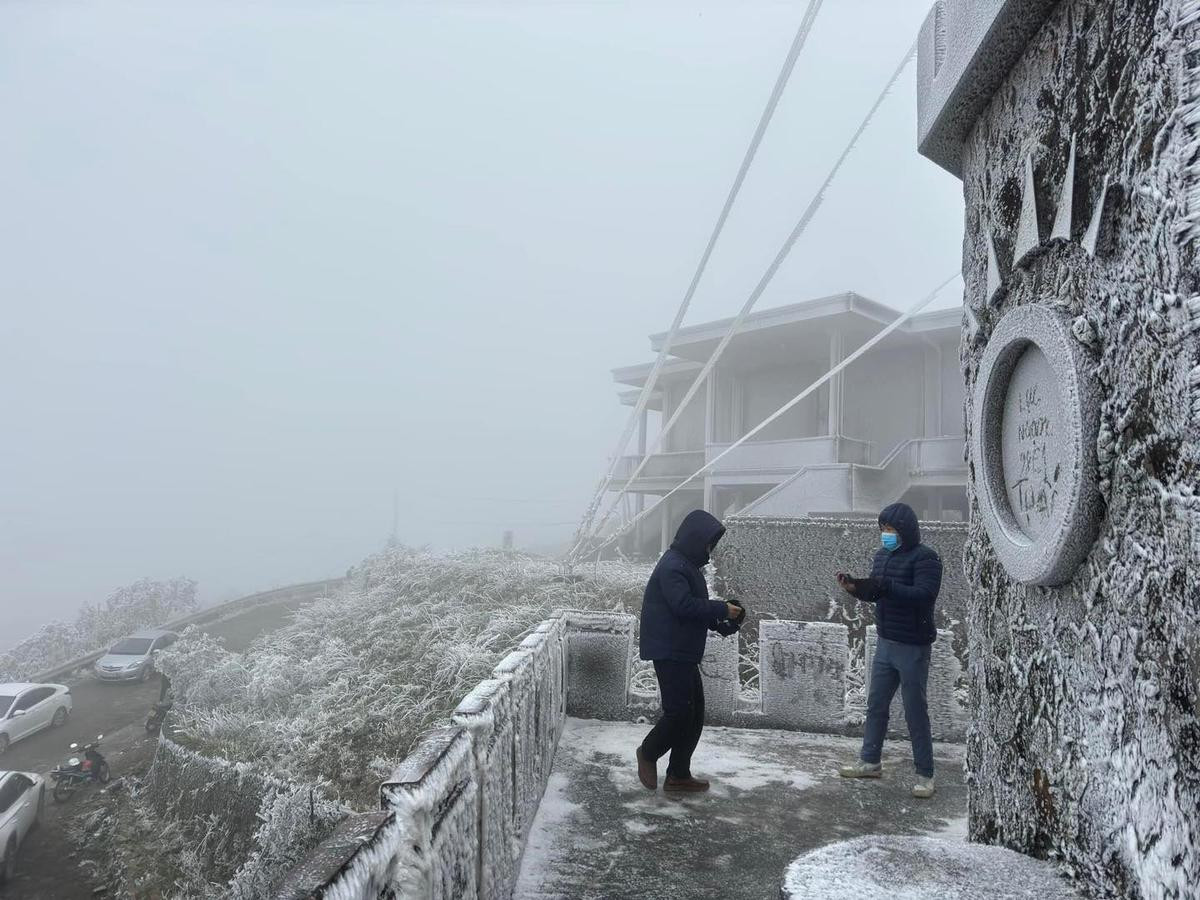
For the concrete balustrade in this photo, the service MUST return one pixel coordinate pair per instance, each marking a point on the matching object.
(599, 653)
(722, 684)
(802, 671)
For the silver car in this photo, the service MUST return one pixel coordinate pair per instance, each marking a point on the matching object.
(22, 798)
(132, 657)
(28, 708)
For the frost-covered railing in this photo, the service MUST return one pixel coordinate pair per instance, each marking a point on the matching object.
(454, 815)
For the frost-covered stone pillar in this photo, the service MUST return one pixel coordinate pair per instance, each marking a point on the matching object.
(434, 796)
(947, 718)
(599, 654)
(802, 673)
(1075, 128)
(722, 684)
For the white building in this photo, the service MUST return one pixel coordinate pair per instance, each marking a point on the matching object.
(887, 428)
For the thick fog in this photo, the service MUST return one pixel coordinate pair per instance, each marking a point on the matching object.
(263, 265)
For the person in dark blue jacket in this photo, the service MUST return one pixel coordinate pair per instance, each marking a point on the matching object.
(905, 579)
(676, 618)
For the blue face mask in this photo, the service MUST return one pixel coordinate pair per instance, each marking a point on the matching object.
(890, 541)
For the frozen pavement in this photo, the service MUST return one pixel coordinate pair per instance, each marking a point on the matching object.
(776, 794)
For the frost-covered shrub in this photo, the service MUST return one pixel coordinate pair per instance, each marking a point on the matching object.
(143, 604)
(343, 692)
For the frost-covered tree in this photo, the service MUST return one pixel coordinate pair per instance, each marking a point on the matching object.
(142, 604)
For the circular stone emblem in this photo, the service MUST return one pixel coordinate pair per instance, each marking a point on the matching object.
(1036, 415)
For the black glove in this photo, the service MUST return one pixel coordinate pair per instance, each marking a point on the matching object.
(867, 589)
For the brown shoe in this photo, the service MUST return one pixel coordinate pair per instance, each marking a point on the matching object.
(647, 772)
(687, 785)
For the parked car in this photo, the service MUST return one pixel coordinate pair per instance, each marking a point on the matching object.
(132, 658)
(22, 798)
(28, 708)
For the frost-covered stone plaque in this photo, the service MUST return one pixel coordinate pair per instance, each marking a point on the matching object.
(1036, 417)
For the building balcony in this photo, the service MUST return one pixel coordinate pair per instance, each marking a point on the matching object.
(662, 472)
(772, 461)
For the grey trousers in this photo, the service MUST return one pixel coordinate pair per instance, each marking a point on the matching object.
(905, 666)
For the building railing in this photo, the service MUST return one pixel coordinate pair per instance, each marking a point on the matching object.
(940, 454)
(789, 454)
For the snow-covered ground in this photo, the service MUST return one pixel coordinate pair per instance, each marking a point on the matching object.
(775, 795)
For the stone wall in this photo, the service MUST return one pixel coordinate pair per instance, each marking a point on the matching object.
(785, 568)
(1085, 743)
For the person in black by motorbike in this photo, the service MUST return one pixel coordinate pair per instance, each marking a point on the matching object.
(677, 615)
(158, 713)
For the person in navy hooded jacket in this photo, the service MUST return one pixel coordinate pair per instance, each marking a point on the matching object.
(905, 579)
(676, 618)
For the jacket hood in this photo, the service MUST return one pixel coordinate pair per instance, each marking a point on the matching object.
(696, 532)
(901, 517)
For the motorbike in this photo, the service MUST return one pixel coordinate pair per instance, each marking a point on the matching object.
(76, 772)
(158, 714)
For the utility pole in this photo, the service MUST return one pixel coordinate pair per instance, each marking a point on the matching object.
(394, 540)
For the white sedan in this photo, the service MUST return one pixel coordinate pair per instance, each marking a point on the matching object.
(28, 708)
(22, 798)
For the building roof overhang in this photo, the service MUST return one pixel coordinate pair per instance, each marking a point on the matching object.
(965, 50)
(637, 375)
(803, 331)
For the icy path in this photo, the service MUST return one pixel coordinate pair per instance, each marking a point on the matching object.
(599, 835)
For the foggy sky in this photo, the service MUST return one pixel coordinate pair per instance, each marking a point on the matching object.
(263, 263)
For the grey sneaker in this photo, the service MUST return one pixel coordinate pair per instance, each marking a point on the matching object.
(924, 787)
(860, 769)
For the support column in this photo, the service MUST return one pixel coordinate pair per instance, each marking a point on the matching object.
(933, 390)
(639, 499)
(665, 541)
(837, 345)
(710, 408)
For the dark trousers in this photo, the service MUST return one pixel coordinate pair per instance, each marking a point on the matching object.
(904, 666)
(678, 729)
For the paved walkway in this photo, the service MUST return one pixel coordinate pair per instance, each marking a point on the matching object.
(599, 835)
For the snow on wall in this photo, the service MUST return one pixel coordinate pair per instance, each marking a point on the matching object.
(785, 568)
(1085, 743)
(947, 716)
